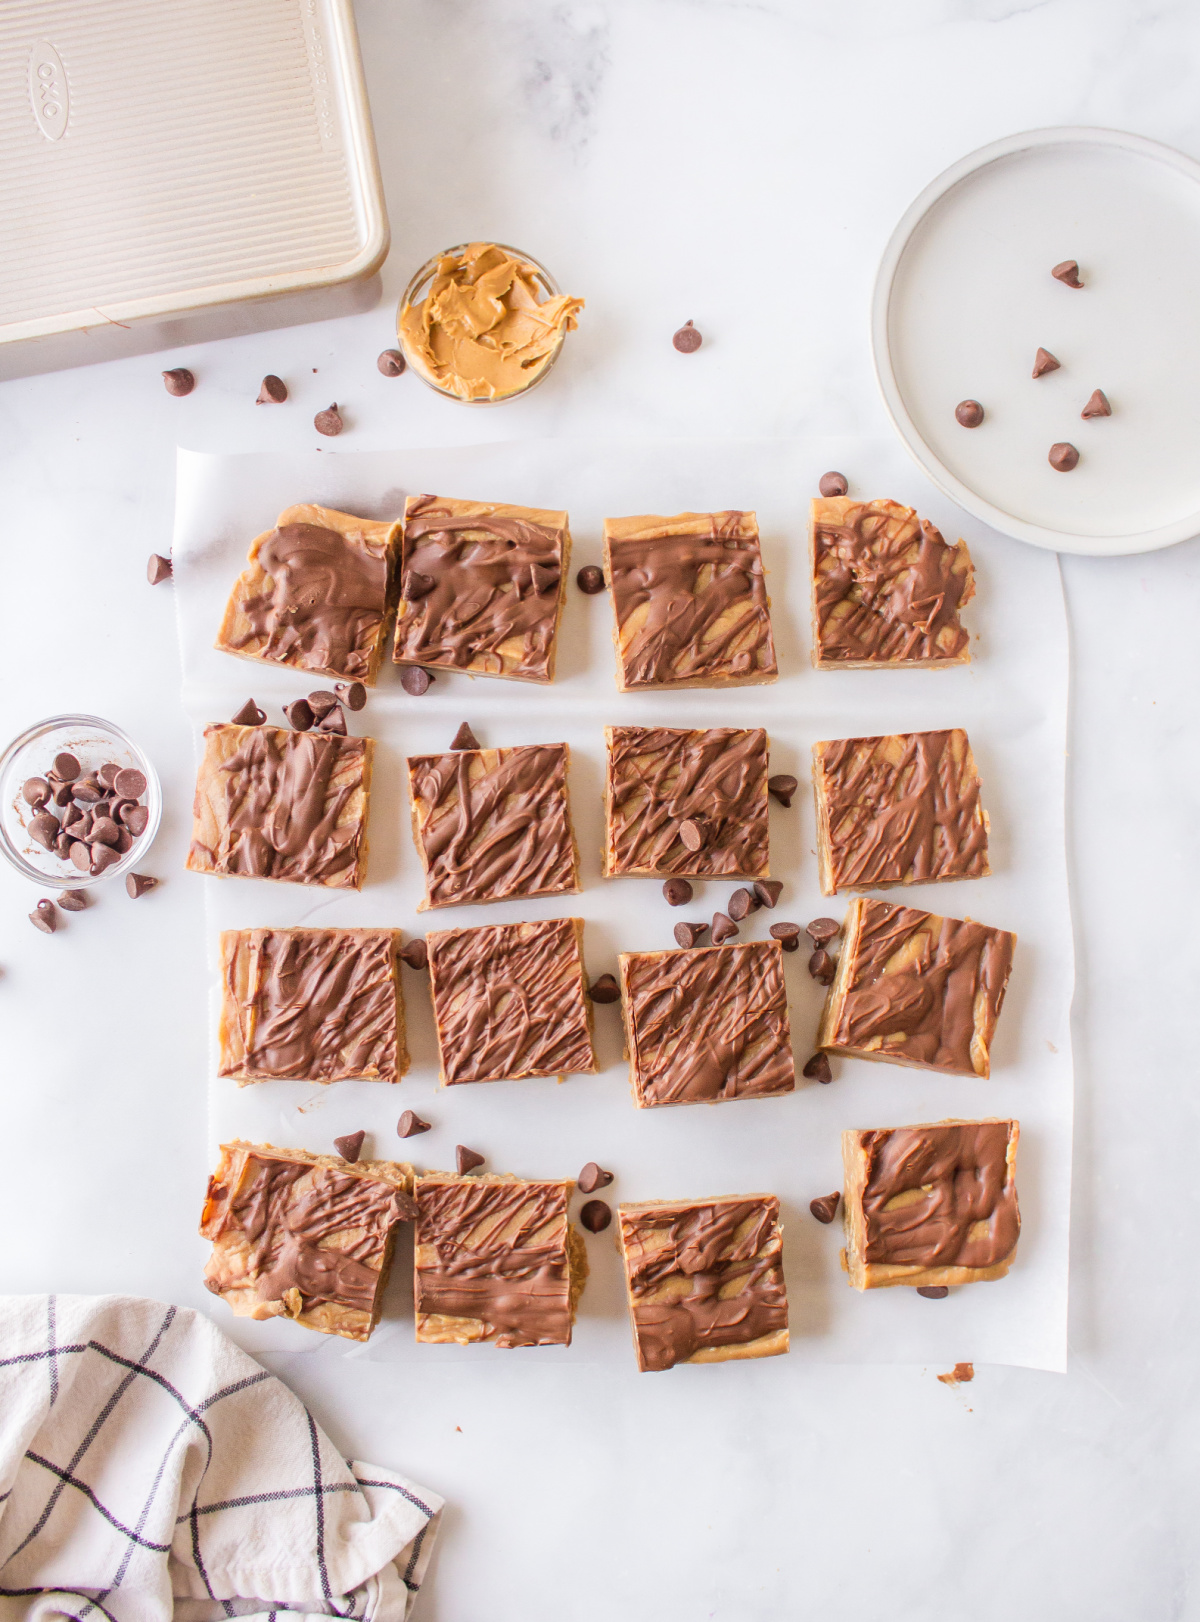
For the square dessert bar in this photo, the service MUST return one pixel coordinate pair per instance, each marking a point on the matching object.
(902, 809)
(304, 1236)
(496, 1259)
(314, 594)
(275, 804)
(707, 1024)
(930, 1205)
(311, 1005)
(705, 1279)
(493, 824)
(886, 588)
(511, 1000)
(690, 598)
(660, 778)
(917, 989)
(481, 587)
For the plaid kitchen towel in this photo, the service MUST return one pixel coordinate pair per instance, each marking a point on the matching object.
(149, 1470)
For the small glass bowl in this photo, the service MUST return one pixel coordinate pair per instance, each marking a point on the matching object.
(92, 741)
(419, 285)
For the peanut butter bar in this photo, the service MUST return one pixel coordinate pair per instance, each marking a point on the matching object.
(714, 780)
(304, 1236)
(707, 1024)
(917, 989)
(274, 804)
(311, 1005)
(314, 595)
(902, 809)
(511, 1000)
(482, 587)
(886, 588)
(705, 1279)
(930, 1205)
(690, 598)
(496, 1260)
(493, 824)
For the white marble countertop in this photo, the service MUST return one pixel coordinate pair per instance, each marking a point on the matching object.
(741, 165)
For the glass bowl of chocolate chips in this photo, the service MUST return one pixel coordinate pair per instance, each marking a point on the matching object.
(79, 802)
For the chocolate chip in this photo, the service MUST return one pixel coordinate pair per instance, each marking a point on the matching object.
(45, 829)
(88, 790)
(124, 842)
(44, 917)
(135, 819)
(595, 1215)
(158, 569)
(130, 784)
(414, 680)
(822, 967)
(688, 935)
(81, 856)
(784, 932)
(543, 580)
(105, 831)
(62, 794)
(605, 989)
(73, 900)
(822, 930)
(1067, 273)
(35, 791)
(415, 954)
(825, 1208)
(329, 422)
(72, 815)
(782, 787)
(334, 721)
(322, 701)
(741, 904)
(353, 694)
(590, 579)
(66, 768)
(767, 891)
(833, 484)
(1063, 457)
(107, 775)
(136, 884)
(687, 340)
(1097, 405)
(103, 857)
(249, 715)
(273, 391)
(466, 1159)
(391, 363)
(818, 1069)
(410, 1125)
(299, 714)
(723, 928)
(1044, 362)
(939, 1292)
(350, 1147)
(593, 1177)
(62, 846)
(678, 892)
(178, 381)
(691, 832)
(969, 413)
(416, 585)
(464, 738)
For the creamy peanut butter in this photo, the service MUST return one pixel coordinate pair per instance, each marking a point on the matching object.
(480, 332)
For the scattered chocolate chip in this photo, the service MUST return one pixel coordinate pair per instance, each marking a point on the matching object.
(103, 857)
(416, 585)
(81, 856)
(136, 884)
(723, 928)
(590, 579)
(784, 932)
(833, 484)
(688, 935)
(969, 413)
(130, 784)
(45, 829)
(135, 819)
(678, 892)
(767, 891)
(44, 917)
(300, 714)
(593, 1177)
(105, 831)
(1063, 457)
(322, 701)
(1044, 362)
(741, 904)
(782, 787)
(605, 989)
(178, 381)
(414, 680)
(464, 738)
(939, 1292)
(687, 340)
(415, 954)
(595, 1215)
(73, 900)
(350, 1147)
(66, 768)
(543, 580)
(333, 720)
(466, 1159)
(825, 1208)
(410, 1125)
(107, 775)
(822, 967)
(249, 715)
(158, 569)
(1067, 273)
(35, 791)
(273, 391)
(352, 693)
(1097, 405)
(691, 832)
(391, 363)
(818, 1069)
(822, 930)
(329, 422)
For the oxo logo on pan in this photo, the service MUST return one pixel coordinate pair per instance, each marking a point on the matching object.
(48, 90)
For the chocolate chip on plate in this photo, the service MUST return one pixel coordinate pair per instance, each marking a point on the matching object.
(936, 1292)
(333, 720)
(130, 784)
(466, 1159)
(44, 917)
(605, 989)
(687, 340)
(414, 954)
(723, 928)
(35, 791)
(249, 715)
(273, 391)
(590, 579)
(352, 694)
(822, 967)
(691, 832)
(595, 1215)
(688, 935)
(767, 891)
(178, 381)
(350, 1147)
(158, 569)
(415, 680)
(825, 1208)
(1044, 362)
(833, 484)
(73, 900)
(416, 585)
(45, 829)
(300, 714)
(969, 413)
(136, 884)
(410, 1125)
(66, 768)
(742, 903)
(678, 892)
(818, 1069)
(391, 363)
(135, 819)
(1097, 405)
(1063, 457)
(464, 738)
(322, 701)
(329, 422)
(784, 931)
(1067, 273)
(822, 930)
(782, 787)
(593, 1177)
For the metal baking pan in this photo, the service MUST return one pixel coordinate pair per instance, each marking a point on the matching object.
(174, 172)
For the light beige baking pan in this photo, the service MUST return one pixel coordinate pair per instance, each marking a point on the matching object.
(179, 170)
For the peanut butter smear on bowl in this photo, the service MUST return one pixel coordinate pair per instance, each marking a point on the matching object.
(480, 333)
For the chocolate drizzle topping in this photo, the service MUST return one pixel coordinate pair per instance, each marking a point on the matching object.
(940, 1196)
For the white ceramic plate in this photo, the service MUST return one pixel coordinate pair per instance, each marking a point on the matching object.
(964, 297)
